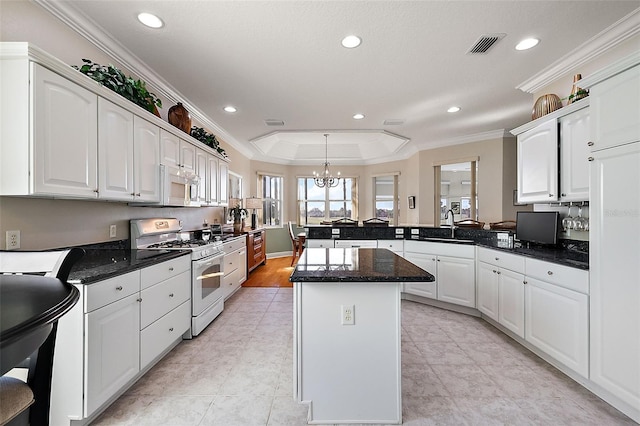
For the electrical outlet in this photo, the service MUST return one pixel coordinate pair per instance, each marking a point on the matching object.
(112, 231)
(13, 240)
(347, 314)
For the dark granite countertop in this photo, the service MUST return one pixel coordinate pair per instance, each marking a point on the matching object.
(570, 253)
(100, 263)
(355, 265)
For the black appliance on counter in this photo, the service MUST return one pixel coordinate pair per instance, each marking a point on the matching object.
(538, 227)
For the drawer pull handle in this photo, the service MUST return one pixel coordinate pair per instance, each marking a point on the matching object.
(171, 329)
(549, 273)
(590, 158)
(589, 143)
(497, 258)
(119, 288)
(139, 299)
(170, 294)
(171, 269)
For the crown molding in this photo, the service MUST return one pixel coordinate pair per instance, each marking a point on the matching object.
(96, 35)
(607, 39)
(478, 137)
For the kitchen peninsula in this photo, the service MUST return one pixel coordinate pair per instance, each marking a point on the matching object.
(347, 331)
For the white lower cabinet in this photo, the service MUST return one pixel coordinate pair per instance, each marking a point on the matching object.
(234, 265)
(424, 289)
(500, 290)
(119, 327)
(456, 280)
(557, 322)
(328, 243)
(452, 265)
(112, 349)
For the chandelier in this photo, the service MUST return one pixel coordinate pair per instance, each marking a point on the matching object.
(326, 179)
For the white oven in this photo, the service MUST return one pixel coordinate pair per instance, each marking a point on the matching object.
(207, 291)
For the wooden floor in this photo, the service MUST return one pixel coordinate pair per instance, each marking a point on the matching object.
(275, 273)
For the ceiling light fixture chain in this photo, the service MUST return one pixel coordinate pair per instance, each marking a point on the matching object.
(326, 178)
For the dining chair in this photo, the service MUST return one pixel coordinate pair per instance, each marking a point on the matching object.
(297, 243)
(27, 402)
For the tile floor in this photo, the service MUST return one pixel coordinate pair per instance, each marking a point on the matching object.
(457, 370)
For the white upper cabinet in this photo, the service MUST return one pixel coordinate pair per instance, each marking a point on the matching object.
(615, 103)
(129, 155)
(64, 125)
(115, 151)
(201, 172)
(538, 164)
(575, 134)
(169, 149)
(212, 181)
(146, 155)
(223, 189)
(188, 157)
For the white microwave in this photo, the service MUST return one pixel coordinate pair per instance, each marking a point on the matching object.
(179, 189)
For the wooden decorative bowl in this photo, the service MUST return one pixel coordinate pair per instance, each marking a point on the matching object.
(545, 104)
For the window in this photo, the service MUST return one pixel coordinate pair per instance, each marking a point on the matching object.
(316, 205)
(270, 190)
(386, 198)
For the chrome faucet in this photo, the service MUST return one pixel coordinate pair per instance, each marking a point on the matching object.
(453, 226)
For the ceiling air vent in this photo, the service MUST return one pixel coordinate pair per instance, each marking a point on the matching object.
(393, 122)
(484, 43)
(270, 122)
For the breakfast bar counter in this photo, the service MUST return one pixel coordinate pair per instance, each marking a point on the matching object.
(347, 331)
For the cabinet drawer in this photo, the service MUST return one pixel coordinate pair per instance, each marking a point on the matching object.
(233, 245)
(356, 243)
(231, 262)
(502, 259)
(162, 333)
(564, 276)
(108, 291)
(257, 239)
(162, 271)
(257, 248)
(393, 245)
(159, 299)
(319, 243)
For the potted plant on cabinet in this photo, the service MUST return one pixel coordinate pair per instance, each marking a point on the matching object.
(114, 79)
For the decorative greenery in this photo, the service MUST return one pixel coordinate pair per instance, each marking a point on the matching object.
(581, 93)
(114, 79)
(208, 139)
(238, 213)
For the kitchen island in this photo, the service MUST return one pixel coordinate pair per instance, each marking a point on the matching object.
(347, 331)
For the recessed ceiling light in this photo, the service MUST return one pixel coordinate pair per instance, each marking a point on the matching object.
(230, 108)
(453, 109)
(358, 116)
(527, 43)
(351, 41)
(150, 20)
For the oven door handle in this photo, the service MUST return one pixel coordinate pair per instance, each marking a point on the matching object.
(214, 274)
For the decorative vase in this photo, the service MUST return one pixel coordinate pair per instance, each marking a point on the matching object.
(179, 117)
(577, 93)
(237, 227)
(545, 104)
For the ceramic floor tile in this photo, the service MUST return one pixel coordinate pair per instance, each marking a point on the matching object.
(287, 412)
(467, 381)
(240, 410)
(457, 370)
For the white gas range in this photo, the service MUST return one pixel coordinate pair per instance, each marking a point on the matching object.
(207, 301)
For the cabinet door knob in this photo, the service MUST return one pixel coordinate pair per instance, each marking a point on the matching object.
(549, 273)
(498, 272)
(139, 299)
(589, 143)
(494, 271)
(170, 294)
(590, 158)
(138, 194)
(497, 258)
(524, 282)
(171, 269)
(171, 329)
(133, 194)
(119, 288)
(96, 190)
(550, 195)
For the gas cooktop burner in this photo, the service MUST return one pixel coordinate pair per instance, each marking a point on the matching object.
(179, 244)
